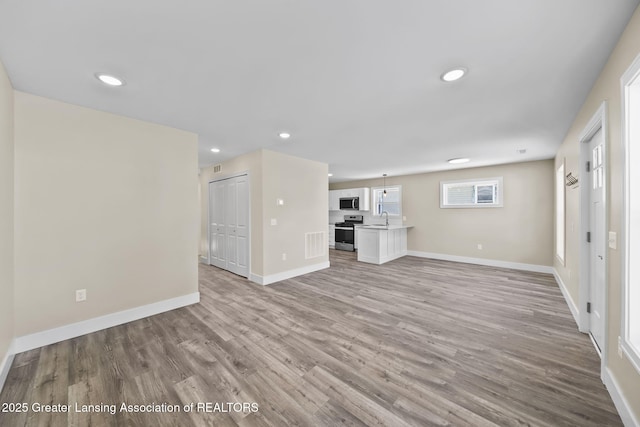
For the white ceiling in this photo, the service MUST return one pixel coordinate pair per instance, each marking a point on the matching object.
(356, 82)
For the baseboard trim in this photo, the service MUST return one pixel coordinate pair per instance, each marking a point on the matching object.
(273, 278)
(5, 366)
(572, 305)
(482, 261)
(620, 402)
(51, 336)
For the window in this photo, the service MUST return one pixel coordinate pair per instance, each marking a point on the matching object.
(631, 248)
(471, 193)
(391, 203)
(560, 235)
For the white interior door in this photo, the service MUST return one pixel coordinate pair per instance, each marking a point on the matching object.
(229, 224)
(231, 214)
(597, 245)
(242, 226)
(217, 226)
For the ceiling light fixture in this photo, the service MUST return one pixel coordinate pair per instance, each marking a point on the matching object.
(330, 174)
(284, 135)
(453, 75)
(458, 160)
(215, 150)
(109, 79)
(384, 185)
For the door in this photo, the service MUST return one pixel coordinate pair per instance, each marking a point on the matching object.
(229, 224)
(217, 226)
(597, 237)
(237, 214)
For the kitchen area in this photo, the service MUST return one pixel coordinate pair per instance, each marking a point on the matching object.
(369, 223)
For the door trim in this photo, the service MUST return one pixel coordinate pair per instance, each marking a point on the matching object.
(249, 243)
(597, 121)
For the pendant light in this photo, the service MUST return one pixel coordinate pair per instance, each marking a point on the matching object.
(384, 185)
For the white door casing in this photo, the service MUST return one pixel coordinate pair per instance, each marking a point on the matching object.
(597, 236)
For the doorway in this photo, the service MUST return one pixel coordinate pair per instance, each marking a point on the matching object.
(593, 219)
(229, 215)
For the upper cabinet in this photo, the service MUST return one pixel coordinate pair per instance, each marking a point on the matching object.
(361, 193)
(334, 200)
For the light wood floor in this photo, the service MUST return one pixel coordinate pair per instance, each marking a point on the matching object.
(413, 342)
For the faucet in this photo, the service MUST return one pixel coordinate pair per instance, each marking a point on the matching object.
(386, 222)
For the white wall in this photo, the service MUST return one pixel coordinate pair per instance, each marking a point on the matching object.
(252, 163)
(102, 202)
(521, 232)
(607, 87)
(302, 184)
(6, 219)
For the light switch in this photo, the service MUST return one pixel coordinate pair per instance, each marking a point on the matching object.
(613, 240)
(274, 221)
(280, 202)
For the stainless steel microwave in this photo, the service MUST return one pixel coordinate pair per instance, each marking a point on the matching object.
(350, 203)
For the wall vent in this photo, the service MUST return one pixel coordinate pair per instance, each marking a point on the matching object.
(217, 168)
(315, 244)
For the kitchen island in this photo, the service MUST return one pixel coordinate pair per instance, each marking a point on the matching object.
(378, 244)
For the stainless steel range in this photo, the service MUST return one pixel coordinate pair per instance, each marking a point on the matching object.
(345, 232)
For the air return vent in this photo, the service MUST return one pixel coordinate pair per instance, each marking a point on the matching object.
(315, 244)
(217, 168)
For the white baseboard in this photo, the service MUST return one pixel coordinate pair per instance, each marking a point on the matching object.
(272, 278)
(572, 305)
(5, 365)
(40, 339)
(620, 402)
(482, 261)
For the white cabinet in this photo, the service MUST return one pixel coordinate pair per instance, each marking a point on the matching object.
(380, 245)
(334, 200)
(365, 198)
(362, 193)
(332, 236)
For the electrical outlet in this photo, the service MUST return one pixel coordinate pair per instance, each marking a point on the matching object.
(274, 221)
(479, 246)
(284, 257)
(81, 295)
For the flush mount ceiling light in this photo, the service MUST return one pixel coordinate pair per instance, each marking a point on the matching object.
(453, 75)
(284, 135)
(330, 174)
(458, 160)
(109, 79)
(215, 150)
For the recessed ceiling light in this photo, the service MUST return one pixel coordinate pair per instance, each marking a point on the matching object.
(109, 79)
(284, 135)
(453, 75)
(459, 160)
(330, 174)
(215, 150)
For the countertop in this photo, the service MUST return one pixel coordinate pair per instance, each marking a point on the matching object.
(384, 227)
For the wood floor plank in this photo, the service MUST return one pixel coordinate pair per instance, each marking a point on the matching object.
(412, 342)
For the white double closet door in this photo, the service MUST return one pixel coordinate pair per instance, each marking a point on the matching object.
(229, 224)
